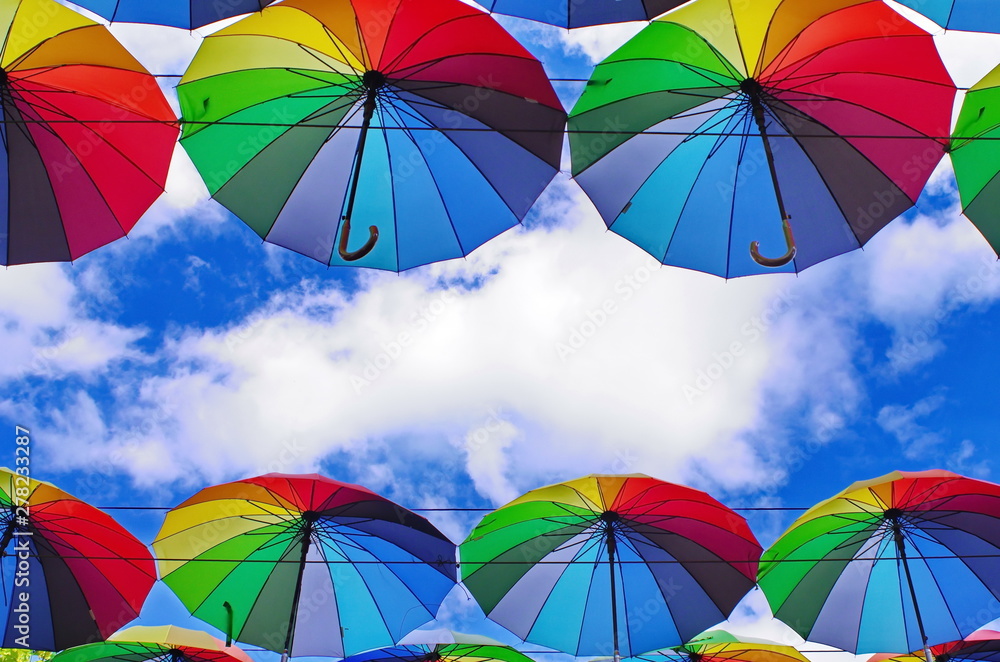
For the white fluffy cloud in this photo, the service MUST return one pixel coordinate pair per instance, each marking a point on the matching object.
(45, 332)
(546, 354)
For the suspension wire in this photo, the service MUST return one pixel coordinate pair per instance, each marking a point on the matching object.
(510, 130)
(592, 562)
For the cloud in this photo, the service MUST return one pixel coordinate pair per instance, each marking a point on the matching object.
(902, 422)
(46, 332)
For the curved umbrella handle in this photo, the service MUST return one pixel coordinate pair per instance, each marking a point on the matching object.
(351, 256)
(774, 262)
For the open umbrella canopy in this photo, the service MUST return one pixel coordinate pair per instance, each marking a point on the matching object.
(304, 564)
(980, 646)
(144, 643)
(888, 562)
(87, 135)
(678, 562)
(974, 15)
(424, 121)
(975, 153)
(453, 647)
(582, 13)
(77, 574)
(725, 125)
(187, 14)
(721, 646)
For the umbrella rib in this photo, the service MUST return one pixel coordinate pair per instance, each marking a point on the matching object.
(744, 142)
(687, 198)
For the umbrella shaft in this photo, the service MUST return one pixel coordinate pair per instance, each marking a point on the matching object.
(614, 598)
(758, 115)
(901, 547)
(369, 112)
(298, 592)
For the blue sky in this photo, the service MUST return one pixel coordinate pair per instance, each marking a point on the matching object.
(191, 354)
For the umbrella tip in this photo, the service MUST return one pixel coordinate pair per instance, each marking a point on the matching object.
(373, 79)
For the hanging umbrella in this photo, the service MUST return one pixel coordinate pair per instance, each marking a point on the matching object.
(724, 125)
(75, 572)
(890, 564)
(187, 14)
(973, 15)
(453, 647)
(610, 564)
(721, 646)
(424, 121)
(167, 643)
(87, 135)
(975, 153)
(582, 13)
(980, 646)
(304, 565)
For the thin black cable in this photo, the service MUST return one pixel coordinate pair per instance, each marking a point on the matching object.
(204, 123)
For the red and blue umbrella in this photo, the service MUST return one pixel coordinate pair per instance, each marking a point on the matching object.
(897, 563)
(972, 15)
(304, 565)
(723, 126)
(422, 122)
(187, 14)
(87, 135)
(610, 564)
(582, 13)
(75, 575)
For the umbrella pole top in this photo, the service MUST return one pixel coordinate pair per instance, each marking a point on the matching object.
(753, 89)
(373, 79)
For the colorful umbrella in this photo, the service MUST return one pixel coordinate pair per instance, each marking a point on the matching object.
(582, 13)
(889, 564)
(87, 135)
(425, 121)
(721, 646)
(187, 14)
(678, 561)
(724, 124)
(167, 643)
(980, 646)
(457, 647)
(975, 153)
(74, 574)
(304, 564)
(974, 15)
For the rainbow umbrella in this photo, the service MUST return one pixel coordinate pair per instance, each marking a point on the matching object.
(721, 646)
(975, 153)
(187, 14)
(582, 13)
(304, 565)
(890, 564)
(87, 135)
(973, 15)
(425, 121)
(74, 574)
(980, 646)
(678, 561)
(165, 643)
(452, 647)
(724, 125)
